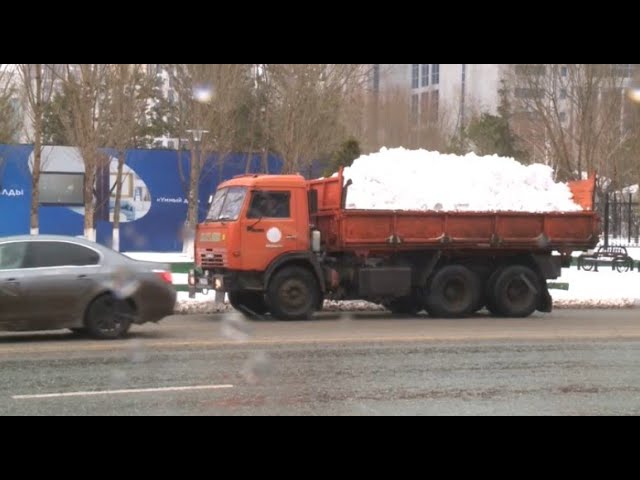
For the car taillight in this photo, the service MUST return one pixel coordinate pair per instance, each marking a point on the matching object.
(165, 276)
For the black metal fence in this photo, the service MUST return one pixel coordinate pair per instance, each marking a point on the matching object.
(620, 217)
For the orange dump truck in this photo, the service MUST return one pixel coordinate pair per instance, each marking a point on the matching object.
(281, 244)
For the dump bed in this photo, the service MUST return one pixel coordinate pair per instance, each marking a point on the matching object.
(376, 230)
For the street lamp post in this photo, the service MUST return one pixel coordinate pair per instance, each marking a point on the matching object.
(194, 194)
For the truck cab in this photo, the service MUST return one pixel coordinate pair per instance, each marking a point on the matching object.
(255, 225)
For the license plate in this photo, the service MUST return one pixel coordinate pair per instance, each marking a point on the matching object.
(204, 281)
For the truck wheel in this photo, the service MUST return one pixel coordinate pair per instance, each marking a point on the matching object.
(402, 306)
(293, 294)
(489, 292)
(516, 292)
(454, 292)
(249, 303)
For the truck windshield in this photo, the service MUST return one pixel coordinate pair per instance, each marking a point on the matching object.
(227, 204)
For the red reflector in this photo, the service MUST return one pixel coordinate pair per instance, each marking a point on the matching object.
(165, 276)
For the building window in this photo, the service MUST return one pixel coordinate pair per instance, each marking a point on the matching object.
(414, 108)
(563, 93)
(376, 77)
(425, 74)
(424, 107)
(435, 74)
(564, 71)
(530, 69)
(463, 87)
(415, 75)
(563, 117)
(622, 70)
(526, 93)
(435, 104)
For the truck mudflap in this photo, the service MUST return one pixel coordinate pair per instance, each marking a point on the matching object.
(219, 297)
(545, 303)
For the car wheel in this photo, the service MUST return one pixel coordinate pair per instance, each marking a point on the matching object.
(108, 317)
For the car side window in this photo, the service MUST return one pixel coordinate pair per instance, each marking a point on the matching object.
(270, 205)
(60, 254)
(12, 255)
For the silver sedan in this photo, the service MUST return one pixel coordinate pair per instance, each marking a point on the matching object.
(53, 282)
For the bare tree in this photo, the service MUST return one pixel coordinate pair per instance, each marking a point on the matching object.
(128, 94)
(571, 116)
(396, 118)
(9, 123)
(306, 104)
(86, 124)
(38, 85)
(209, 98)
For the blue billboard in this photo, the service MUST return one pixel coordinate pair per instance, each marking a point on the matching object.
(154, 193)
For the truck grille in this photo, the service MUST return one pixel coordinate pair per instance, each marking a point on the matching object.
(211, 259)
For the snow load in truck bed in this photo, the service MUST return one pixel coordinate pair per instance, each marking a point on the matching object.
(400, 179)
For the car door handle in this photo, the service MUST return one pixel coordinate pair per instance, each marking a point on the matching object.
(255, 230)
(82, 277)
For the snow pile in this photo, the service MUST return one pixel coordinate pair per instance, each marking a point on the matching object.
(561, 300)
(400, 179)
(195, 307)
(204, 304)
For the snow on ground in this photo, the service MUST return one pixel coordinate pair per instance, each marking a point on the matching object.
(605, 289)
(400, 179)
(171, 257)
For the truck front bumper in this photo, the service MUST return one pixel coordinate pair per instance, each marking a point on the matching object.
(227, 281)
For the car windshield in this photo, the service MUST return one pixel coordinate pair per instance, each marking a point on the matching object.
(227, 204)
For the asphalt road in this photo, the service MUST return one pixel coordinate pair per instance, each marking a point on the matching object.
(566, 363)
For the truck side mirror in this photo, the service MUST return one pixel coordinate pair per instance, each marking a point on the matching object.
(313, 202)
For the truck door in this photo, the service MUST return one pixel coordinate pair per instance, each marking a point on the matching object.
(275, 223)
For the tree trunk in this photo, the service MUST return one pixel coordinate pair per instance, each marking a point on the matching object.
(117, 203)
(189, 232)
(37, 154)
(89, 210)
(35, 184)
(265, 160)
(194, 181)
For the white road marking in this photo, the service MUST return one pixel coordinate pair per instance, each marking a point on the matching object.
(121, 392)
